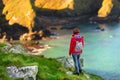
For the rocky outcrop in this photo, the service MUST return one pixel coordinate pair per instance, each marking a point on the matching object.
(116, 8)
(68, 61)
(68, 7)
(27, 72)
(33, 48)
(17, 49)
(13, 49)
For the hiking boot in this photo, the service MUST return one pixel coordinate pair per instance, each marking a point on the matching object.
(75, 73)
(80, 71)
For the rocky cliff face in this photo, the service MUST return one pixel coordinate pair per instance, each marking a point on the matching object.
(68, 7)
(116, 8)
(74, 7)
(2, 19)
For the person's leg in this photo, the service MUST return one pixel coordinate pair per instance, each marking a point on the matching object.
(75, 63)
(79, 64)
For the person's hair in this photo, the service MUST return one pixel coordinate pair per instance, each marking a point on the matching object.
(76, 30)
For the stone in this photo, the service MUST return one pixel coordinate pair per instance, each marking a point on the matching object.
(27, 72)
(17, 49)
(13, 49)
(69, 72)
(7, 47)
(68, 61)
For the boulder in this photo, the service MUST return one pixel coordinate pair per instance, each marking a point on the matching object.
(6, 48)
(17, 49)
(13, 49)
(68, 61)
(27, 72)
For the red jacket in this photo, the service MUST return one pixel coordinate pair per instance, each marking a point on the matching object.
(73, 43)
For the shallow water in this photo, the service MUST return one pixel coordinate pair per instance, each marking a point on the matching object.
(101, 52)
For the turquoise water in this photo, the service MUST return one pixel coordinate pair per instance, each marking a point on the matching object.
(101, 52)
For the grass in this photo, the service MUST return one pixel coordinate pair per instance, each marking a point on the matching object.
(48, 68)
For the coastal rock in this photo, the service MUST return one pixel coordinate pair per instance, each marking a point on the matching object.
(27, 73)
(13, 49)
(34, 48)
(17, 49)
(68, 61)
(6, 48)
(38, 51)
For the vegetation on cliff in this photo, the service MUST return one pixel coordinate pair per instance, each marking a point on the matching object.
(48, 68)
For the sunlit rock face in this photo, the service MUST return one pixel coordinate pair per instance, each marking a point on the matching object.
(55, 4)
(68, 7)
(107, 5)
(4, 1)
(3, 39)
(19, 11)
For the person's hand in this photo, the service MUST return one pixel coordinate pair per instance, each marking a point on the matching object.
(69, 54)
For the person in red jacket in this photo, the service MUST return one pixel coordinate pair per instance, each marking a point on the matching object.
(72, 51)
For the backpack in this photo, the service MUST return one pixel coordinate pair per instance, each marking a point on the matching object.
(78, 46)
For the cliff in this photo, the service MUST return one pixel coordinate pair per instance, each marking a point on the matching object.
(48, 68)
(68, 7)
(53, 12)
(64, 8)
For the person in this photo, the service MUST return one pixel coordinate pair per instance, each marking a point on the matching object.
(76, 54)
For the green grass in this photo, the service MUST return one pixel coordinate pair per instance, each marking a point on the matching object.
(48, 68)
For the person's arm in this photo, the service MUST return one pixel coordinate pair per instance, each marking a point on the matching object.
(72, 45)
(82, 41)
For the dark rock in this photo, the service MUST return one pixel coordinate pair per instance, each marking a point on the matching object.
(69, 28)
(13, 31)
(46, 33)
(103, 29)
(103, 19)
(98, 28)
(53, 28)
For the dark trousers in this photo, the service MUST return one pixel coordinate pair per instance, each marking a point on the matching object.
(76, 59)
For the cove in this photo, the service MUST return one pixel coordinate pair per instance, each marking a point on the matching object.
(101, 53)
